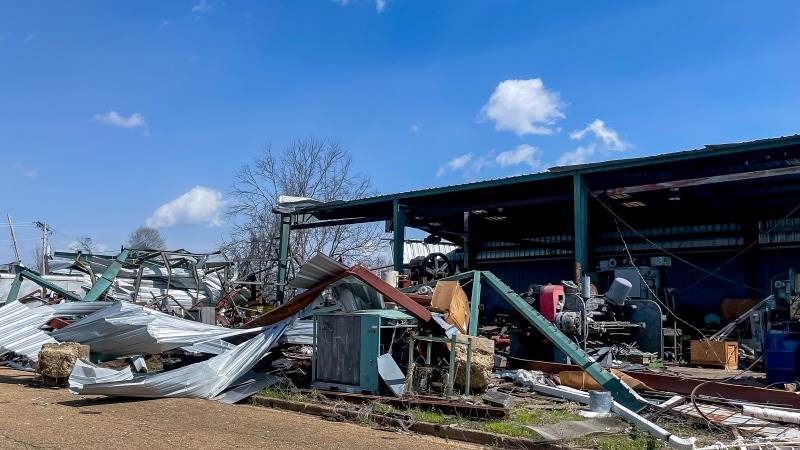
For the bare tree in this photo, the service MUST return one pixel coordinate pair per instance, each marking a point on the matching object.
(84, 244)
(146, 238)
(314, 168)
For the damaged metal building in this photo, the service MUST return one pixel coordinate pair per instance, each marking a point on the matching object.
(704, 225)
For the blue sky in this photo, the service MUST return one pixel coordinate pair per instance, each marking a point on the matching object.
(110, 110)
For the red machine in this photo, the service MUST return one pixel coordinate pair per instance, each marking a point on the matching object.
(550, 298)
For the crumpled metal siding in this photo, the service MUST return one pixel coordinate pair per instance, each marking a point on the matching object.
(205, 379)
(20, 329)
(128, 329)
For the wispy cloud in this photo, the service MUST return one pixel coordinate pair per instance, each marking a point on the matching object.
(608, 136)
(580, 155)
(202, 6)
(135, 120)
(30, 37)
(164, 23)
(201, 205)
(415, 128)
(524, 107)
(523, 154)
(457, 163)
(26, 172)
(470, 164)
(380, 5)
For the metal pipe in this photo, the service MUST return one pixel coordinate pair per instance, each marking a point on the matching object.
(636, 420)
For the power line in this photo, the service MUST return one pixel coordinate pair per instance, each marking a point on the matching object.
(683, 260)
(745, 249)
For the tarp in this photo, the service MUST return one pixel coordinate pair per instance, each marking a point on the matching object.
(127, 329)
(205, 379)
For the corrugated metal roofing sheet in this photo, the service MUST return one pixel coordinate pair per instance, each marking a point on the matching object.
(565, 171)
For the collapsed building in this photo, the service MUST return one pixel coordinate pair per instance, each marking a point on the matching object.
(565, 284)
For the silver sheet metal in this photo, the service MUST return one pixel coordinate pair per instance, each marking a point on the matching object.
(124, 329)
(206, 379)
(20, 329)
(316, 270)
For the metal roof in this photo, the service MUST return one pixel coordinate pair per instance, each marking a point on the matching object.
(561, 172)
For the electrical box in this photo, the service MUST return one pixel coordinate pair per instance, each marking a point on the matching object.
(348, 354)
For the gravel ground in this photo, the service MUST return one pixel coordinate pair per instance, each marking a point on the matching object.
(32, 416)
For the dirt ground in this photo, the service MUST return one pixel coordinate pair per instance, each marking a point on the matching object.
(37, 417)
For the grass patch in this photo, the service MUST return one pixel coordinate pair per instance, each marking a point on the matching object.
(508, 428)
(429, 416)
(285, 394)
(622, 441)
(543, 416)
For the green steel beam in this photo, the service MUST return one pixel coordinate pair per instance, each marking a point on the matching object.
(621, 393)
(283, 257)
(13, 293)
(104, 282)
(474, 302)
(581, 222)
(399, 228)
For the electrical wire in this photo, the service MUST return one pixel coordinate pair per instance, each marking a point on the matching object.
(667, 252)
(692, 395)
(745, 249)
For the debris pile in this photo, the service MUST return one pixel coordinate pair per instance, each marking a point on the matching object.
(350, 336)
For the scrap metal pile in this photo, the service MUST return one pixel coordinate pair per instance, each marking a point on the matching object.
(346, 333)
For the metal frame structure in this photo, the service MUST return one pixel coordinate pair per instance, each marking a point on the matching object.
(621, 392)
(772, 157)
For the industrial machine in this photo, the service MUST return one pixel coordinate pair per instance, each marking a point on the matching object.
(612, 318)
(428, 268)
(352, 352)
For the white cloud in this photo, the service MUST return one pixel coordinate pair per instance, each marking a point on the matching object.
(380, 5)
(578, 156)
(469, 164)
(31, 36)
(523, 106)
(457, 163)
(25, 172)
(165, 23)
(415, 128)
(609, 137)
(200, 205)
(135, 120)
(202, 6)
(522, 154)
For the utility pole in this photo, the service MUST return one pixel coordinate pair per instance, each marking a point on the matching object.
(45, 232)
(13, 238)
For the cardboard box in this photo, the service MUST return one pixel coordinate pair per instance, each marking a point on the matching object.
(715, 354)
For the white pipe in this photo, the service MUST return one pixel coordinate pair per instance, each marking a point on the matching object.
(767, 444)
(638, 421)
(777, 415)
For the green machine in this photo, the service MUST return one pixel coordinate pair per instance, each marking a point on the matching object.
(351, 350)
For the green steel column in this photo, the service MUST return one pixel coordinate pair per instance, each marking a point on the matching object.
(283, 257)
(474, 303)
(13, 292)
(104, 282)
(581, 222)
(399, 228)
(466, 246)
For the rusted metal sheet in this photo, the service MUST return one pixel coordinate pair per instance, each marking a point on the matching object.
(685, 385)
(455, 407)
(791, 170)
(305, 299)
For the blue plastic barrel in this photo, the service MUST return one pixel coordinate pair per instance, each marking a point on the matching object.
(781, 357)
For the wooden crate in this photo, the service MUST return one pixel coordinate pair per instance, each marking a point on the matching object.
(715, 354)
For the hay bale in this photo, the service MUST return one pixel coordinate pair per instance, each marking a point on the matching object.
(482, 363)
(57, 360)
